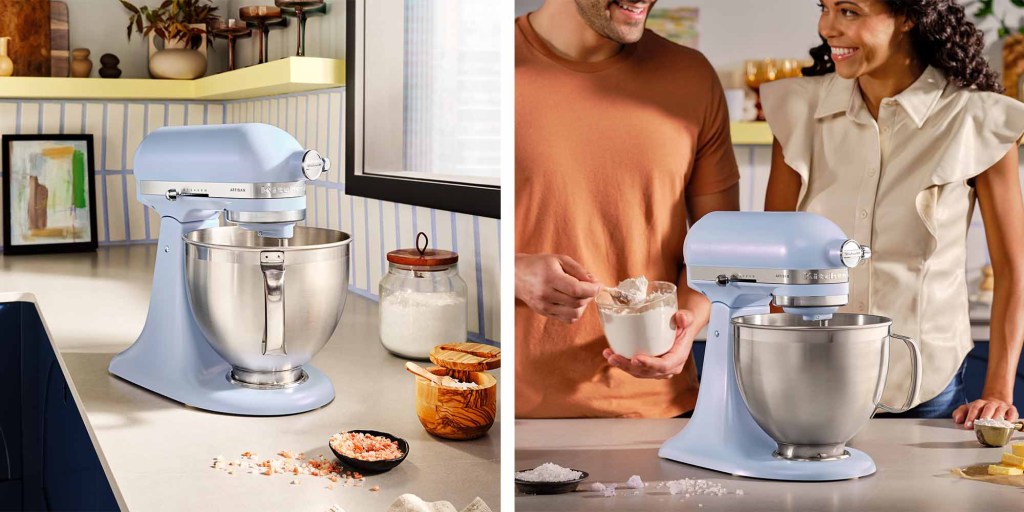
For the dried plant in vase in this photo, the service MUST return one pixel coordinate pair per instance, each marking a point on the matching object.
(183, 25)
(182, 21)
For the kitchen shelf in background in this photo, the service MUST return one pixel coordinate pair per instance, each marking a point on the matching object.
(293, 74)
(751, 133)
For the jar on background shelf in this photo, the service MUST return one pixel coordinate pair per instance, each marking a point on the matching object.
(6, 64)
(423, 301)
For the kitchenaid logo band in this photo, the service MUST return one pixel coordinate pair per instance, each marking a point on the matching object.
(226, 190)
(771, 275)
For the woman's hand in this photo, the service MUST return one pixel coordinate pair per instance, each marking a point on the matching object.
(984, 408)
(670, 363)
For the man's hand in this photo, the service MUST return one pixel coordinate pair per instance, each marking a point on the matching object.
(670, 363)
(554, 285)
(984, 408)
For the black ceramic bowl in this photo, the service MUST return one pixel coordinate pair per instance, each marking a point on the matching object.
(549, 487)
(373, 466)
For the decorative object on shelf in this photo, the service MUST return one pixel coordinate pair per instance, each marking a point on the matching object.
(1013, 42)
(60, 41)
(230, 30)
(48, 194)
(6, 64)
(986, 287)
(81, 66)
(757, 72)
(182, 26)
(301, 9)
(28, 26)
(108, 66)
(1013, 64)
(263, 17)
(175, 61)
(677, 24)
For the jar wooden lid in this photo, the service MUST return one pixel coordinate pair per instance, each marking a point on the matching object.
(423, 257)
(467, 357)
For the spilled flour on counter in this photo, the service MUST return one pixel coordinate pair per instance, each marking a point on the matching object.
(687, 487)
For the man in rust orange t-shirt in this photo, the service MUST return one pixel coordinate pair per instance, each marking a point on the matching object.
(622, 141)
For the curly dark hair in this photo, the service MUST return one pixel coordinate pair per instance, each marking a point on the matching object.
(942, 37)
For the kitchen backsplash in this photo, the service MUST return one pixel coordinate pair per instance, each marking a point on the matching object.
(316, 120)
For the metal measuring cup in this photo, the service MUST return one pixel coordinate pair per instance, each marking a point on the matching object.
(994, 435)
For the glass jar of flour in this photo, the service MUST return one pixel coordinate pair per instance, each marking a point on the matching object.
(422, 301)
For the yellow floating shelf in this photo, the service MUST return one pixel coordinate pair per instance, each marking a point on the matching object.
(751, 134)
(294, 74)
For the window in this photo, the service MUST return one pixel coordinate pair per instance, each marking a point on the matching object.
(423, 114)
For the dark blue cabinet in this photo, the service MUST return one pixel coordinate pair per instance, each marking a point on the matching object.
(47, 461)
(974, 375)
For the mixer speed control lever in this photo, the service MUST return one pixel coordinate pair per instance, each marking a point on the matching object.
(723, 279)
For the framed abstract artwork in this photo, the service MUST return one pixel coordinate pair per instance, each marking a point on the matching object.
(48, 197)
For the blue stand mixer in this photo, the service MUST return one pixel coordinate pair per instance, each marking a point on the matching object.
(781, 394)
(255, 174)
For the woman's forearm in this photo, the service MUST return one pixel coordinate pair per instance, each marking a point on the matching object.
(1006, 337)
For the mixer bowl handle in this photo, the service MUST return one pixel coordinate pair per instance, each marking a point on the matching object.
(915, 376)
(272, 265)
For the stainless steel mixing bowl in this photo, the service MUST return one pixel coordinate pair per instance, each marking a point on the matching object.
(267, 305)
(812, 385)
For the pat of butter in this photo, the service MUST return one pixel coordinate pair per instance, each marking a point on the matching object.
(1018, 448)
(1010, 459)
(1004, 470)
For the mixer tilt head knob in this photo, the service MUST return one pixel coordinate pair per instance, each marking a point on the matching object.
(313, 164)
(852, 253)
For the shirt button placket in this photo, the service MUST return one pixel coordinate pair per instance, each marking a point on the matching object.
(869, 193)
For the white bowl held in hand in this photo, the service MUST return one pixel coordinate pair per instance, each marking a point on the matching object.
(645, 328)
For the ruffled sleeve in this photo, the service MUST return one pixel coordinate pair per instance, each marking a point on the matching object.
(992, 124)
(789, 107)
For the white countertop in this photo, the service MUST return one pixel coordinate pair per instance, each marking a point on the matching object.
(158, 452)
(914, 458)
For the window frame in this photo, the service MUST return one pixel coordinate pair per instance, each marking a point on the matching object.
(469, 198)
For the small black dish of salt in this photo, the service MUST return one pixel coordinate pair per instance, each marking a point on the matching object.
(539, 487)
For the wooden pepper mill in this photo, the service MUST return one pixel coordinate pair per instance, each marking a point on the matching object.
(459, 413)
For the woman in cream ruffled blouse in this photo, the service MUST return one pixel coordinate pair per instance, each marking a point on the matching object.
(896, 130)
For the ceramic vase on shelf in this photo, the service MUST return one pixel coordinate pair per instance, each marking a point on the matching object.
(177, 61)
(81, 66)
(6, 65)
(108, 66)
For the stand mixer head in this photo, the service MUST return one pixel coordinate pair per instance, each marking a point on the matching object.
(766, 406)
(216, 336)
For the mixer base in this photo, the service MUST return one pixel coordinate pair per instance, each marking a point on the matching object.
(764, 464)
(205, 387)
(267, 380)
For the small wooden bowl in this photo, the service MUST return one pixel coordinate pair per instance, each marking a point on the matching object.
(457, 414)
